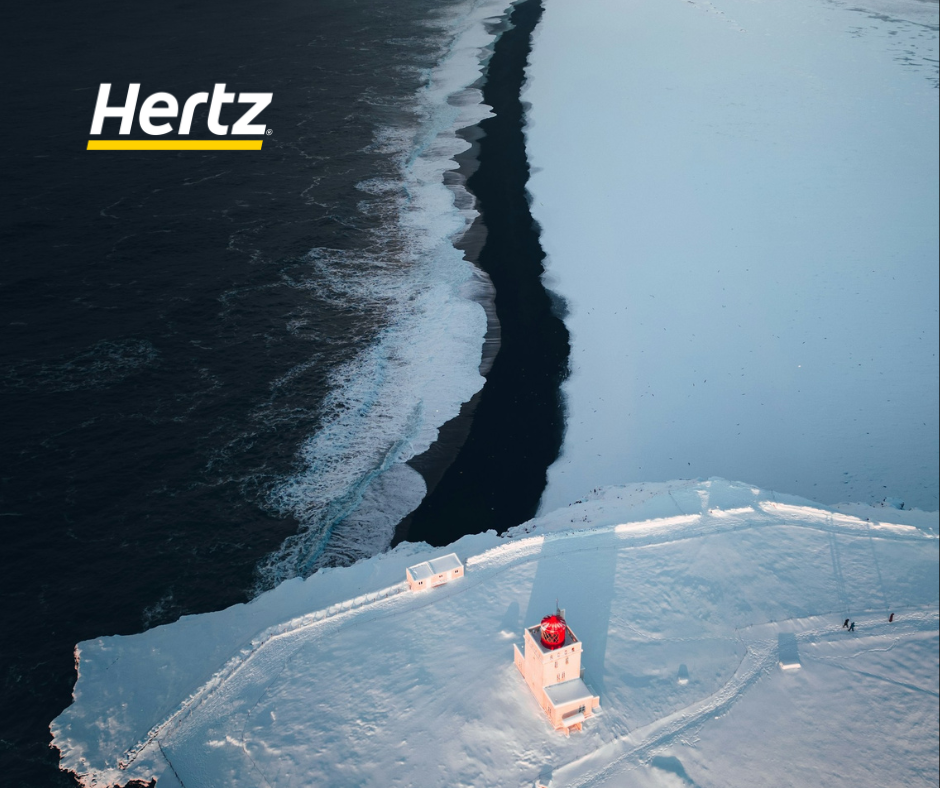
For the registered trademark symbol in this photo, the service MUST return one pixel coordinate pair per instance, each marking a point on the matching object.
(269, 132)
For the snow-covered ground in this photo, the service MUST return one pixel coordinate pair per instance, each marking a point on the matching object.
(738, 199)
(347, 679)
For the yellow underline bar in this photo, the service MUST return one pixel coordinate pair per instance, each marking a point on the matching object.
(174, 144)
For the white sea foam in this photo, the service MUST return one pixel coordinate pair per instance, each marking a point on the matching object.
(386, 405)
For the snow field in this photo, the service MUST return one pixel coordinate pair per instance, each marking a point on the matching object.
(738, 203)
(396, 689)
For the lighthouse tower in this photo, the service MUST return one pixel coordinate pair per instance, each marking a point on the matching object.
(551, 666)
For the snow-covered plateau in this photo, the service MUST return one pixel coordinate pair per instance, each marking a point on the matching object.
(687, 597)
(738, 200)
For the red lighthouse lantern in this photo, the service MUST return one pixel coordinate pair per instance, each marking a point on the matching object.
(553, 631)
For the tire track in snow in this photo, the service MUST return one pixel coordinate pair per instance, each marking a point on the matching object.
(837, 572)
(640, 744)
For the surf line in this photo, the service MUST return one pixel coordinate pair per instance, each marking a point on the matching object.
(489, 467)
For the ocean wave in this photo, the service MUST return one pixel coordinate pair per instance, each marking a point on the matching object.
(385, 405)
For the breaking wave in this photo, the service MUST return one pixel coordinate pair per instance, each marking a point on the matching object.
(385, 405)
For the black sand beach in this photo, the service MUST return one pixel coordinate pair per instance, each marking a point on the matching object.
(517, 423)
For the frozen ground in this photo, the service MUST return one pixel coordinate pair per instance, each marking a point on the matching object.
(738, 199)
(712, 581)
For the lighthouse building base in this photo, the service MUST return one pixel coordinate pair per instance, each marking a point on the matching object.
(555, 678)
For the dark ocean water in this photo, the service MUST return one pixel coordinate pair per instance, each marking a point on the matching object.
(173, 324)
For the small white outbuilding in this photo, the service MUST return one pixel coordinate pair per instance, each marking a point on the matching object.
(435, 572)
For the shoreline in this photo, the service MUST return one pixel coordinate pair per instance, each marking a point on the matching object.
(433, 463)
(488, 468)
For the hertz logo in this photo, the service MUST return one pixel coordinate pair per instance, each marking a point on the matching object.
(164, 106)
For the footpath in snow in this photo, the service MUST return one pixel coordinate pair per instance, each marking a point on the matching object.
(687, 597)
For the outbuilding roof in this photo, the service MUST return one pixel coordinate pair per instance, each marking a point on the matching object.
(436, 566)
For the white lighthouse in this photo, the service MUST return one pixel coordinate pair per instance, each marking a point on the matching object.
(551, 667)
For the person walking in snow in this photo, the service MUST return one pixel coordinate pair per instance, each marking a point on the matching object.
(845, 624)
(852, 627)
